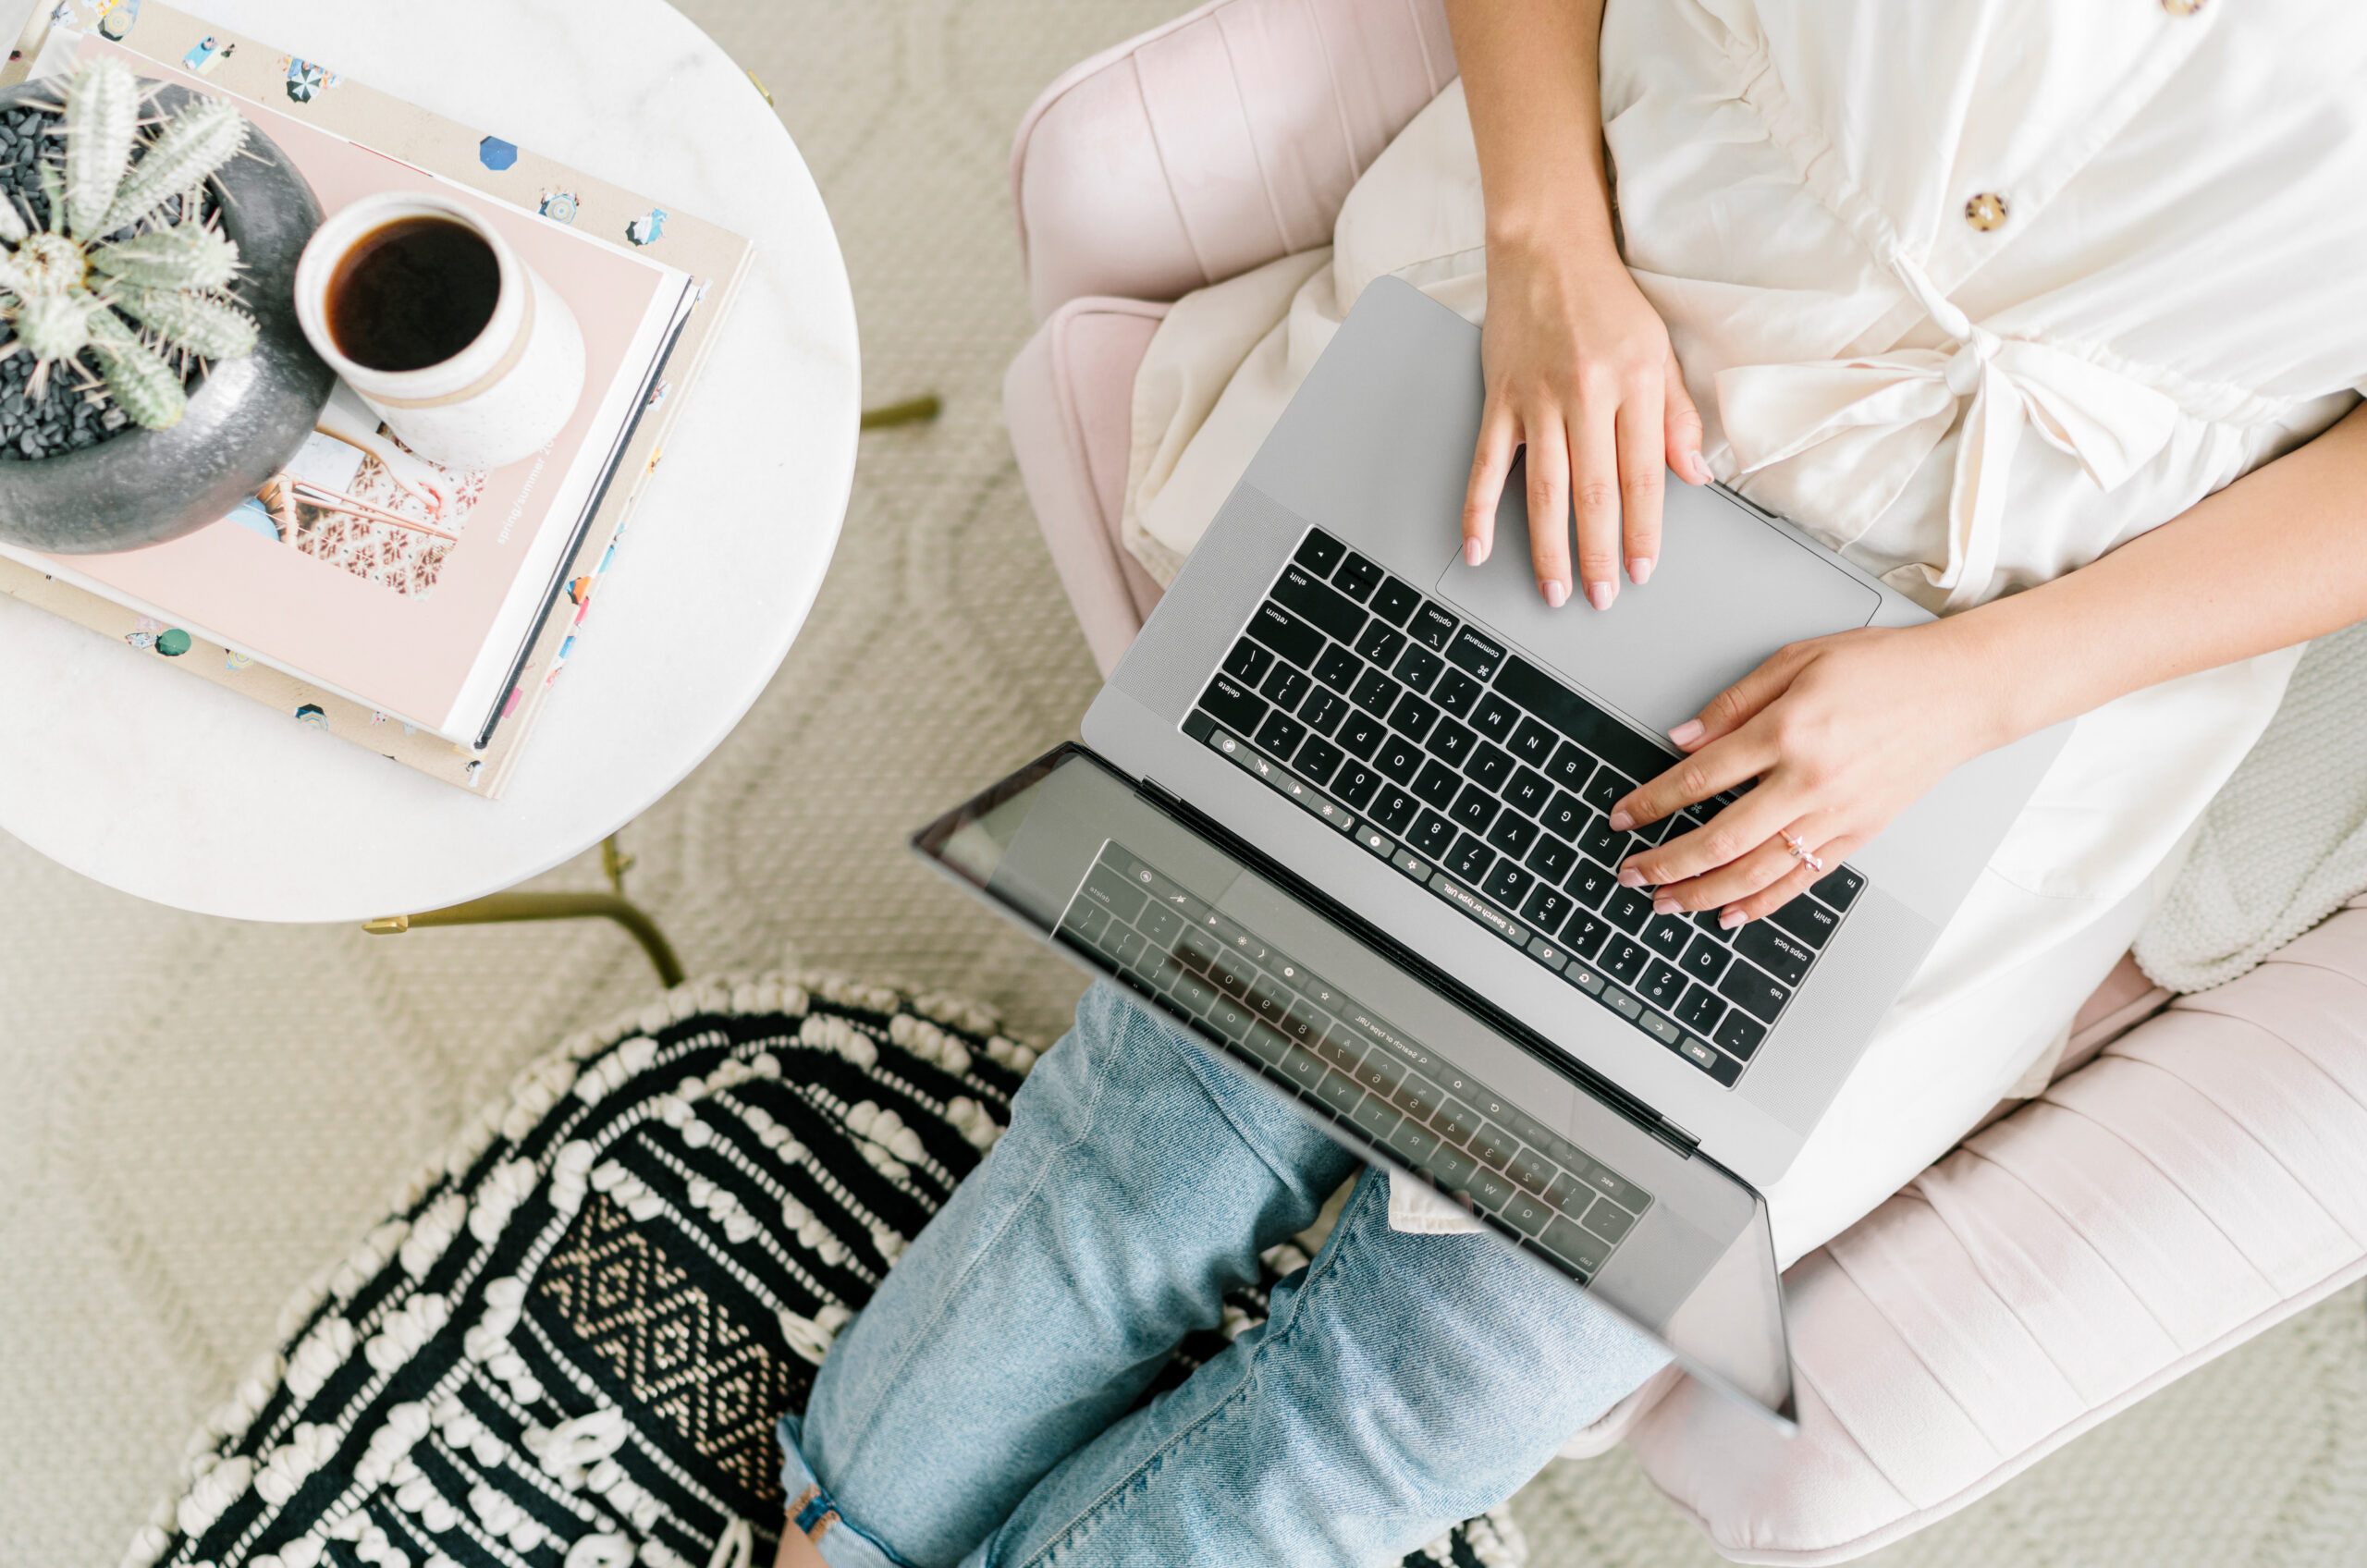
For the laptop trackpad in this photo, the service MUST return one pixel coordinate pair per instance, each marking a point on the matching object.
(1728, 591)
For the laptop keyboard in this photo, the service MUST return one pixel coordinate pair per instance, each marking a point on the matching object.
(1486, 781)
(1325, 1048)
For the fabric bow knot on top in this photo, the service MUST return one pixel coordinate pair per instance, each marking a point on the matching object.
(1855, 430)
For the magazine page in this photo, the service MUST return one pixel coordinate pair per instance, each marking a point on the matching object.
(421, 625)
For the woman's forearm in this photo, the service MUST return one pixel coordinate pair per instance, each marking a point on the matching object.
(1531, 80)
(2276, 558)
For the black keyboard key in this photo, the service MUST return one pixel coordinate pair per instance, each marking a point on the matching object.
(1705, 958)
(1323, 711)
(1532, 1172)
(1495, 717)
(1318, 760)
(1491, 767)
(1396, 602)
(1358, 577)
(1529, 792)
(1662, 986)
(1457, 692)
(1456, 1122)
(1162, 925)
(1741, 1034)
(1606, 790)
(1304, 1023)
(1546, 908)
(1481, 656)
(1774, 951)
(1512, 833)
(1630, 909)
(1667, 935)
(1509, 883)
(1804, 918)
(1412, 717)
(1418, 668)
(1475, 809)
(1393, 811)
(1400, 758)
(1285, 686)
(1286, 634)
(1609, 1221)
(1624, 748)
(1319, 552)
(1234, 706)
(1379, 1074)
(1381, 643)
(1839, 887)
(1432, 628)
(1754, 991)
(1375, 693)
(1356, 784)
(1590, 883)
(1339, 1093)
(1700, 1010)
(1339, 669)
(1281, 734)
(1249, 661)
(1297, 590)
(1603, 842)
(1470, 859)
(1492, 1147)
(1532, 743)
(1418, 1097)
(1585, 935)
(1564, 816)
(1626, 961)
(1584, 1253)
(1438, 784)
(1362, 734)
(1551, 859)
(1569, 766)
(1451, 742)
(1432, 835)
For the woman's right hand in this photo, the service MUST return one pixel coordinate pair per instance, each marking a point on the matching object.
(1579, 370)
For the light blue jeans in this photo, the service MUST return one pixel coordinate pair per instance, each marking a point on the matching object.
(982, 1409)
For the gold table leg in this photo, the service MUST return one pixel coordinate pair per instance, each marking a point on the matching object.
(501, 909)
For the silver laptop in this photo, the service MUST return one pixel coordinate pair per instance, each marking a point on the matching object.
(1340, 811)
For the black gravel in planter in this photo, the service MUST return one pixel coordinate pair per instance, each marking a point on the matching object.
(69, 413)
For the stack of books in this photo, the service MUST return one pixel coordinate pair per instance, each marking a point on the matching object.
(421, 611)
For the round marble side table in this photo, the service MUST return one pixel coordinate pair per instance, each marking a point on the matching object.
(179, 791)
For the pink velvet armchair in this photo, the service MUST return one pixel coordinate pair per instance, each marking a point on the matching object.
(2196, 1173)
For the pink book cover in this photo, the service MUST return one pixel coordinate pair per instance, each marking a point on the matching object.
(414, 625)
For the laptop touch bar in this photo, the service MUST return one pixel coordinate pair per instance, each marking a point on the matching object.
(1486, 781)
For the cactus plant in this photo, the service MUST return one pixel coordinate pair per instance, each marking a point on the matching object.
(124, 278)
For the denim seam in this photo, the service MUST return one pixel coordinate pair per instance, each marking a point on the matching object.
(1073, 1532)
(859, 1430)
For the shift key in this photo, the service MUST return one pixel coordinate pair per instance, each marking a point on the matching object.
(1781, 954)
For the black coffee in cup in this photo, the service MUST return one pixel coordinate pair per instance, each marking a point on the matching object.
(413, 292)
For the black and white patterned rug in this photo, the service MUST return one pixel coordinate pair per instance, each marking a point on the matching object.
(570, 1346)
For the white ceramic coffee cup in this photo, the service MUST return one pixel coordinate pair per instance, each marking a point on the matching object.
(501, 398)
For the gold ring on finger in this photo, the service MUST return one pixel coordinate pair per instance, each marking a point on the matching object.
(1801, 852)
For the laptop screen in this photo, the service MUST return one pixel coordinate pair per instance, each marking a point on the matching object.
(1382, 1056)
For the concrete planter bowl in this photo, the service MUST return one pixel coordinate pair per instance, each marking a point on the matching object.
(245, 418)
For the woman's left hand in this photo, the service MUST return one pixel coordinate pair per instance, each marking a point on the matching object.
(1842, 733)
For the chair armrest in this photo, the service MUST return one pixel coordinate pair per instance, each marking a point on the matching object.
(1216, 143)
(2203, 1179)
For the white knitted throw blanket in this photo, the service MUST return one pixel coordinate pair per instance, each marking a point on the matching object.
(2284, 843)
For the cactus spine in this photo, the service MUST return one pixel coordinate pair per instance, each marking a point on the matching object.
(141, 306)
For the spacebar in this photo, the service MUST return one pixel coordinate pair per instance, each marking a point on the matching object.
(1581, 720)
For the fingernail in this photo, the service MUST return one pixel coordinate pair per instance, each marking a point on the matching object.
(1666, 905)
(1730, 918)
(1598, 594)
(1622, 820)
(1687, 733)
(1473, 550)
(1630, 877)
(1640, 570)
(1555, 591)
(1697, 468)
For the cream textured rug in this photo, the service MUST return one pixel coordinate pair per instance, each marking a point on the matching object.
(193, 1114)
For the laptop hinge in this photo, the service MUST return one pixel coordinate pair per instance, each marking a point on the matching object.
(1610, 1096)
(1677, 1138)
